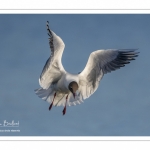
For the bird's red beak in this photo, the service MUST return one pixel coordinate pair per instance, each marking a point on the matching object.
(74, 95)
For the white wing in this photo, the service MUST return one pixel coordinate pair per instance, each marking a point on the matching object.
(53, 68)
(99, 63)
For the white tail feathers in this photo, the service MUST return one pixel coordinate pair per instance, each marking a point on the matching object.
(60, 98)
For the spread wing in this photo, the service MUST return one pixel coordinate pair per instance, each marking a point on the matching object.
(99, 63)
(53, 68)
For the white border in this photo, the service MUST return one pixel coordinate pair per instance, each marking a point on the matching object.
(74, 11)
(92, 7)
(74, 138)
(74, 4)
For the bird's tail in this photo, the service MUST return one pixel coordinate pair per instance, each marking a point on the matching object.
(44, 93)
(60, 98)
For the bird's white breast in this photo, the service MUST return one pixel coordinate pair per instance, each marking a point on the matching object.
(63, 83)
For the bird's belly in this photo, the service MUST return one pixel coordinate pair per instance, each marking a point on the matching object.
(60, 87)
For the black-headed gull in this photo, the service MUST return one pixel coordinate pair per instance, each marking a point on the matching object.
(61, 88)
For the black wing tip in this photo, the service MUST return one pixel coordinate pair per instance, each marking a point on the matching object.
(48, 29)
(129, 53)
(125, 56)
(47, 24)
(134, 51)
(128, 49)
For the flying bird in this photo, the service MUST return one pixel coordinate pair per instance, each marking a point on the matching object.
(60, 88)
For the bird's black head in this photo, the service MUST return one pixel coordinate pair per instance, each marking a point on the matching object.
(73, 87)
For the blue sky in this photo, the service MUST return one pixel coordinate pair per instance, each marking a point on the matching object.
(120, 106)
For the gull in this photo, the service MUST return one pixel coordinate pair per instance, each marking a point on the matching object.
(60, 88)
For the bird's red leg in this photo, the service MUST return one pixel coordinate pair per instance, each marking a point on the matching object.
(64, 110)
(52, 102)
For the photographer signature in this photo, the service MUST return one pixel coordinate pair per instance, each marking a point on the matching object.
(9, 124)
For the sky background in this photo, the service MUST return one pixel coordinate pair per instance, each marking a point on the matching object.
(120, 106)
